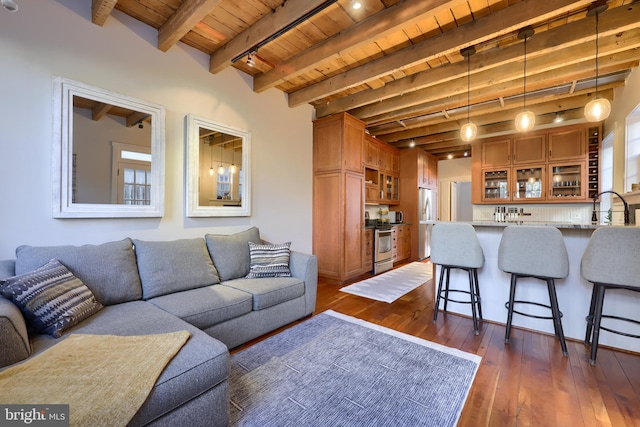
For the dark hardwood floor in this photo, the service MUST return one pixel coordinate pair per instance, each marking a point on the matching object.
(525, 383)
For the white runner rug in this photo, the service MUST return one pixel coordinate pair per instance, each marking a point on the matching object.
(390, 286)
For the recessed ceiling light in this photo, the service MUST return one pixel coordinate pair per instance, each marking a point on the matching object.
(355, 4)
(10, 5)
(450, 156)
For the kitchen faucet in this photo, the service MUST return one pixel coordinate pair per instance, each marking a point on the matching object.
(594, 217)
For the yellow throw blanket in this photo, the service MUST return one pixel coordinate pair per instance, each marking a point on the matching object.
(104, 378)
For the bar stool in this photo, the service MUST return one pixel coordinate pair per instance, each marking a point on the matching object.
(538, 252)
(456, 245)
(610, 261)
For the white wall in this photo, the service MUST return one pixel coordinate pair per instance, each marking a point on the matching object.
(626, 98)
(56, 37)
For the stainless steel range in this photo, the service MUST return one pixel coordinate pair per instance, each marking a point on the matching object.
(382, 249)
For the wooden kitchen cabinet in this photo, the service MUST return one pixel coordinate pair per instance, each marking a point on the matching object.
(529, 149)
(564, 171)
(403, 242)
(496, 153)
(338, 144)
(368, 249)
(339, 197)
(371, 155)
(567, 144)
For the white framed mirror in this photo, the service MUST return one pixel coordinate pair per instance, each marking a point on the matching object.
(218, 169)
(108, 154)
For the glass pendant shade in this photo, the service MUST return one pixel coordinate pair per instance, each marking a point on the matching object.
(468, 131)
(211, 171)
(597, 109)
(525, 121)
(220, 170)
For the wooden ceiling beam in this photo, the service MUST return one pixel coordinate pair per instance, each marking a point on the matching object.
(188, 15)
(560, 76)
(513, 71)
(388, 21)
(509, 114)
(418, 128)
(101, 10)
(289, 12)
(613, 23)
(507, 20)
(99, 111)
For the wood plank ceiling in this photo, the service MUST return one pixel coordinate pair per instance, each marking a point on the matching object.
(396, 64)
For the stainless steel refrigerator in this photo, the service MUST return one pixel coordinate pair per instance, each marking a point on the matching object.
(427, 216)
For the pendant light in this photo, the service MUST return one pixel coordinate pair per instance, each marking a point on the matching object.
(220, 168)
(210, 158)
(598, 108)
(232, 168)
(469, 130)
(526, 119)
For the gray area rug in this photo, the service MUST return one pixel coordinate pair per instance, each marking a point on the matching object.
(336, 370)
(389, 286)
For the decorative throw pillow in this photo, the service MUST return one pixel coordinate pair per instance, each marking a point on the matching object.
(269, 260)
(51, 298)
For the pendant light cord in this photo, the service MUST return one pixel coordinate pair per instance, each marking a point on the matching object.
(468, 86)
(597, 15)
(524, 87)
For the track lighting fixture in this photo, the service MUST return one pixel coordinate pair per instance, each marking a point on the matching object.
(469, 130)
(10, 5)
(251, 61)
(598, 108)
(526, 119)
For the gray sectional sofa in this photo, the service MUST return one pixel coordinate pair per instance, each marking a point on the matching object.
(145, 287)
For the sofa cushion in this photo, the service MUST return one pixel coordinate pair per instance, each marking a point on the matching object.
(269, 260)
(205, 307)
(201, 364)
(51, 298)
(14, 339)
(172, 266)
(109, 269)
(230, 253)
(268, 292)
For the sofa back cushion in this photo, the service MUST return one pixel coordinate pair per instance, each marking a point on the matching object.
(172, 266)
(230, 252)
(109, 269)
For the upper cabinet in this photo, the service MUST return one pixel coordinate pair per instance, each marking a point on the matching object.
(567, 144)
(544, 166)
(382, 172)
(529, 149)
(338, 144)
(496, 153)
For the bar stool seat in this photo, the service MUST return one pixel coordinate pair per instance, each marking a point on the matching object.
(456, 246)
(610, 261)
(538, 252)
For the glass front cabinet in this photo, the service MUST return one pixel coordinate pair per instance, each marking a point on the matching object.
(567, 181)
(528, 183)
(495, 185)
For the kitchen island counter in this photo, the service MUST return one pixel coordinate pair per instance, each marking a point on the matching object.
(574, 293)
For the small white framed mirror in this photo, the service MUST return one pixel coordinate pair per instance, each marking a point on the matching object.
(218, 169)
(108, 154)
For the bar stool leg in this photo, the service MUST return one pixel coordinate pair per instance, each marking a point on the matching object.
(437, 306)
(597, 317)
(592, 308)
(475, 280)
(446, 290)
(472, 296)
(512, 297)
(557, 319)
